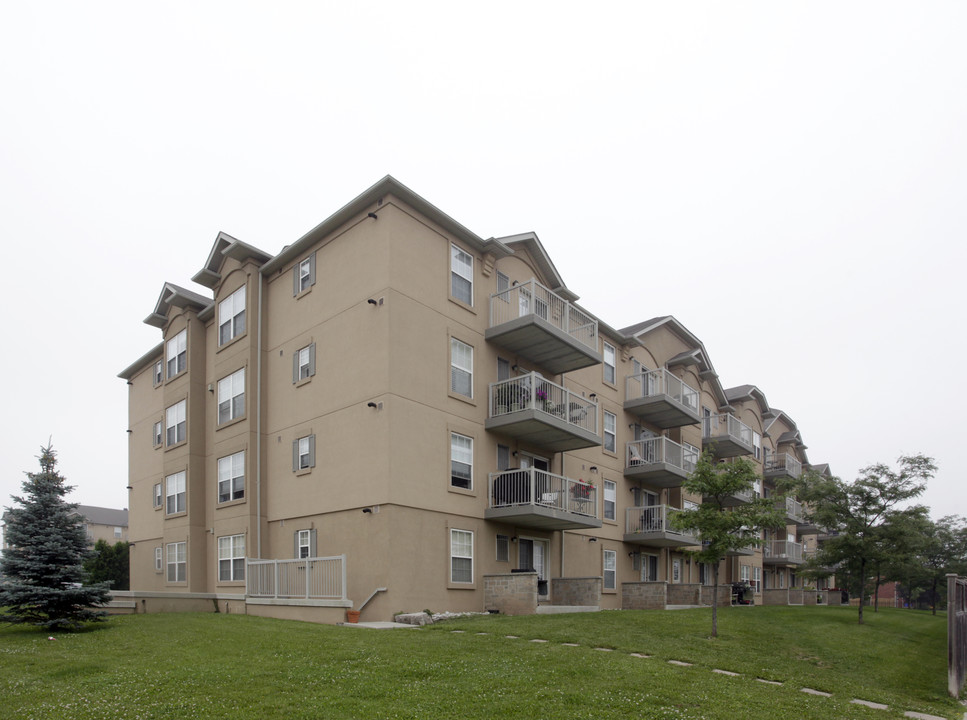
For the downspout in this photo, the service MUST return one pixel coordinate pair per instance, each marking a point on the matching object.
(258, 428)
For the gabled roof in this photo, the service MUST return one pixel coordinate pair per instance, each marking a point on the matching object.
(175, 296)
(532, 244)
(697, 355)
(748, 392)
(226, 246)
(103, 515)
(368, 201)
(821, 469)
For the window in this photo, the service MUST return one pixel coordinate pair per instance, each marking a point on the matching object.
(176, 562)
(231, 397)
(461, 368)
(231, 316)
(157, 376)
(503, 457)
(503, 548)
(461, 556)
(156, 436)
(757, 579)
(610, 369)
(175, 427)
(158, 565)
(305, 543)
(649, 568)
(304, 275)
(461, 461)
(461, 275)
(304, 363)
(610, 431)
(304, 453)
(231, 477)
(610, 497)
(503, 285)
(177, 353)
(231, 558)
(175, 494)
(705, 573)
(156, 496)
(756, 444)
(117, 532)
(610, 569)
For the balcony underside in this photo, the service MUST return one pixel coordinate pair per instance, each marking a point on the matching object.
(732, 500)
(741, 552)
(662, 410)
(659, 474)
(541, 343)
(542, 429)
(781, 561)
(725, 446)
(541, 517)
(661, 538)
(807, 527)
(779, 474)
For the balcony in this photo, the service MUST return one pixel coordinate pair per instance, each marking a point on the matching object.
(660, 398)
(739, 497)
(792, 510)
(535, 323)
(659, 462)
(538, 412)
(538, 499)
(726, 436)
(652, 526)
(308, 579)
(782, 465)
(782, 552)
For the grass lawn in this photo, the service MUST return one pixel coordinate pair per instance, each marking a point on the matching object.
(232, 666)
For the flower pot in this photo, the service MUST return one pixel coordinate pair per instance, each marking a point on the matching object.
(352, 616)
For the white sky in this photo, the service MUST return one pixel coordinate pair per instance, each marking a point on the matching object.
(787, 178)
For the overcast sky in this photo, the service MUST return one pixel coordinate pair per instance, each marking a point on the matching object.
(787, 179)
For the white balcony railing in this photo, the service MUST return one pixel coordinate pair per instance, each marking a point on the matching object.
(792, 509)
(726, 424)
(650, 451)
(652, 519)
(319, 578)
(533, 392)
(783, 550)
(531, 299)
(530, 486)
(661, 382)
(784, 462)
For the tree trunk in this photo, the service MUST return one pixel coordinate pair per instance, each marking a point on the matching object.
(715, 600)
(862, 586)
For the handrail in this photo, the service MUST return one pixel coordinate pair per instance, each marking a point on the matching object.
(714, 425)
(530, 486)
(533, 391)
(648, 451)
(531, 299)
(650, 383)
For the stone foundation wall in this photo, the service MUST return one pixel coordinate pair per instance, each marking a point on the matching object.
(643, 595)
(725, 595)
(684, 594)
(576, 591)
(511, 593)
(775, 596)
(796, 596)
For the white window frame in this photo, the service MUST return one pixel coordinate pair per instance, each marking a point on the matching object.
(176, 423)
(461, 551)
(231, 397)
(158, 375)
(757, 578)
(304, 453)
(303, 544)
(231, 558)
(609, 563)
(756, 445)
(461, 269)
(157, 434)
(461, 365)
(158, 560)
(610, 442)
(117, 532)
(304, 363)
(231, 477)
(461, 453)
(176, 493)
(157, 499)
(177, 562)
(176, 354)
(610, 364)
(231, 317)
(610, 500)
(305, 274)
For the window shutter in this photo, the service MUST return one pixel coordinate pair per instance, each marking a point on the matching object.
(295, 367)
(295, 279)
(295, 544)
(312, 349)
(295, 456)
(312, 269)
(312, 539)
(312, 451)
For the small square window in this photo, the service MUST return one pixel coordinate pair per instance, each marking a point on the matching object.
(304, 453)
(304, 275)
(158, 374)
(304, 363)
(157, 497)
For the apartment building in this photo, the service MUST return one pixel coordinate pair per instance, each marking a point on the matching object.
(395, 413)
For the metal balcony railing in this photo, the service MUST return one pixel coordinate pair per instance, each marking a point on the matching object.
(319, 578)
(783, 550)
(533, 392)
(652, 519)
(650, 451)
(530, 486)
(726, 424)
(661, 382)
(792, 508)
(783, 462)
(534, 300)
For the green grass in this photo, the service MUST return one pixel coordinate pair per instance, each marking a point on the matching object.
(232, 666)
